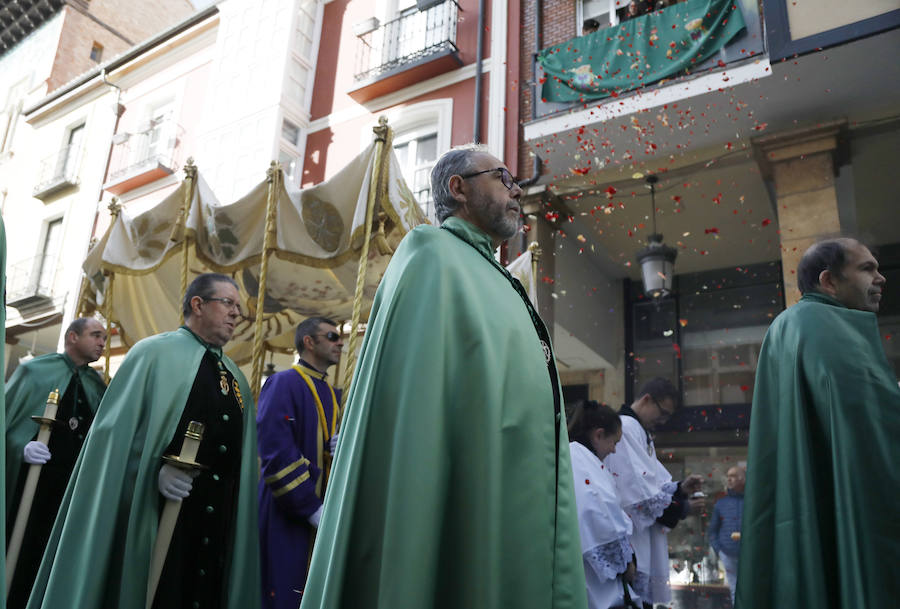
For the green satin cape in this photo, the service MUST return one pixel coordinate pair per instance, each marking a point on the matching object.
(99, 552)
(452, 485)
(820, 523)
(26, 395)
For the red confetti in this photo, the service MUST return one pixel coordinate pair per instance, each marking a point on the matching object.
(766, 222)
(713, 230)
(745, 387)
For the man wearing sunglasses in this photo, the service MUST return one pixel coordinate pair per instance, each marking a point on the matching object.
(297, 432)
(654, 501)
(453, 485)
(99, 554)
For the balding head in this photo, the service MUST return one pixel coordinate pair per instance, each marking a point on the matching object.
(735, 478)
(843, 269)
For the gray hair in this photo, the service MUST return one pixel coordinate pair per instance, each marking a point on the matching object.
(203, 286)
(455, 161)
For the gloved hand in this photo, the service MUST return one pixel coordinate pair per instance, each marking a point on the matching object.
(174, 483)
(332, 443)
(36, 453)
(314, 518)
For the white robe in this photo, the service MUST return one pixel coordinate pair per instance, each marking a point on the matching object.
(605, 528)
(645, 489)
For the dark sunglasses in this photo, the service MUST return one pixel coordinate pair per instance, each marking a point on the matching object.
(332, 336)
(505, 176)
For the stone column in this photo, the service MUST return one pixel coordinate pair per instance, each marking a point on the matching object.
(802, 166)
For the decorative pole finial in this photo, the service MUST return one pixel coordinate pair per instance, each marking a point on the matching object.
(274, 168)
(190, 170)
(381, 129)
(114, 208)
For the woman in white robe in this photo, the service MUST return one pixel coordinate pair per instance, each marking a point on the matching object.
(605, 528)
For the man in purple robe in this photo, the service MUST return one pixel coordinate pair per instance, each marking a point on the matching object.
(297, 431)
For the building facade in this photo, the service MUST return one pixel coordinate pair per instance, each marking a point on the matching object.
(767, 126)
(52, 163)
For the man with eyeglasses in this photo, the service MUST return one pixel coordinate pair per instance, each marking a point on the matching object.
(452, 486)
(646, 490)
(297, 432)
(99, 554)
(80, 388)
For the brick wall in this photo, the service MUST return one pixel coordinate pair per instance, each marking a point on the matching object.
(117, 25)
(558, 26)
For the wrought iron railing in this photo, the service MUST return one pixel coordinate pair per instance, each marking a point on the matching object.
(406, 40)
(58, 170)
(156, 144)
(31, 281)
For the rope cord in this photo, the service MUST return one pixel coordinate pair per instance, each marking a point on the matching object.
(273, 177)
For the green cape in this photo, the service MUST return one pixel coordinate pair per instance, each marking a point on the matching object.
(452, 485)
(99, 552)
(26, 394)
(820, 526)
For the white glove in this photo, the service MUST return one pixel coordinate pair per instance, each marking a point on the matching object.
(332, 443)
(36, 453)
(314, 518)
(174, 483)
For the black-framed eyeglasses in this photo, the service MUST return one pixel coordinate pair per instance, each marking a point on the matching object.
(505, 176)
(332, 336)
(231, 305)
(665, 415)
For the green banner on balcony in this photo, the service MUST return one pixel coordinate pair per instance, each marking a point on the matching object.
(639, 51)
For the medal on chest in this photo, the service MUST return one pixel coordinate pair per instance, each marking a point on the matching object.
(223, 379)
(547, 353)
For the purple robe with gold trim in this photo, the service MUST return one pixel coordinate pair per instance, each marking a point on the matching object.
(293, 450)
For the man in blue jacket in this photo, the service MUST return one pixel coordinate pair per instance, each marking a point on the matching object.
(725, 525)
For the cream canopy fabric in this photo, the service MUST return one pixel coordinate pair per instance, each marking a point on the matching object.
(312, 270)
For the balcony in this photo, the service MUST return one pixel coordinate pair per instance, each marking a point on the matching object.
(406, 50)
(58, 171)
(29, 283)
(646, 52)
(145, 156)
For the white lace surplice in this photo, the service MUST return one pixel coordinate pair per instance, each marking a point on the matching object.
(605, 528)
(645, 489)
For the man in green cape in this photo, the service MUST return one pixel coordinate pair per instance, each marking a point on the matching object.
(820, 526)
(80, 388)
(452, 485)
(99, 553)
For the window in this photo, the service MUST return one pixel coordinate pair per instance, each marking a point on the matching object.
(708, 335)
(417, 153)
(601, 11)
(290, 164)
(68, 160)
(290, 132)
(49, 258)
(96, 52)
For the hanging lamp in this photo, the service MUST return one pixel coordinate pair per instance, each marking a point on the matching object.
(657, 260)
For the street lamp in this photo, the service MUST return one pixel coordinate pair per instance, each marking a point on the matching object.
(657, 260)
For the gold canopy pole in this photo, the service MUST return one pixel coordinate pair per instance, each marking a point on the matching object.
(273, 178)
(377, 186)
(190, 178)
(114, 209)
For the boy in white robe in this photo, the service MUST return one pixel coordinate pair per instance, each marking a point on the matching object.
(646, 490)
